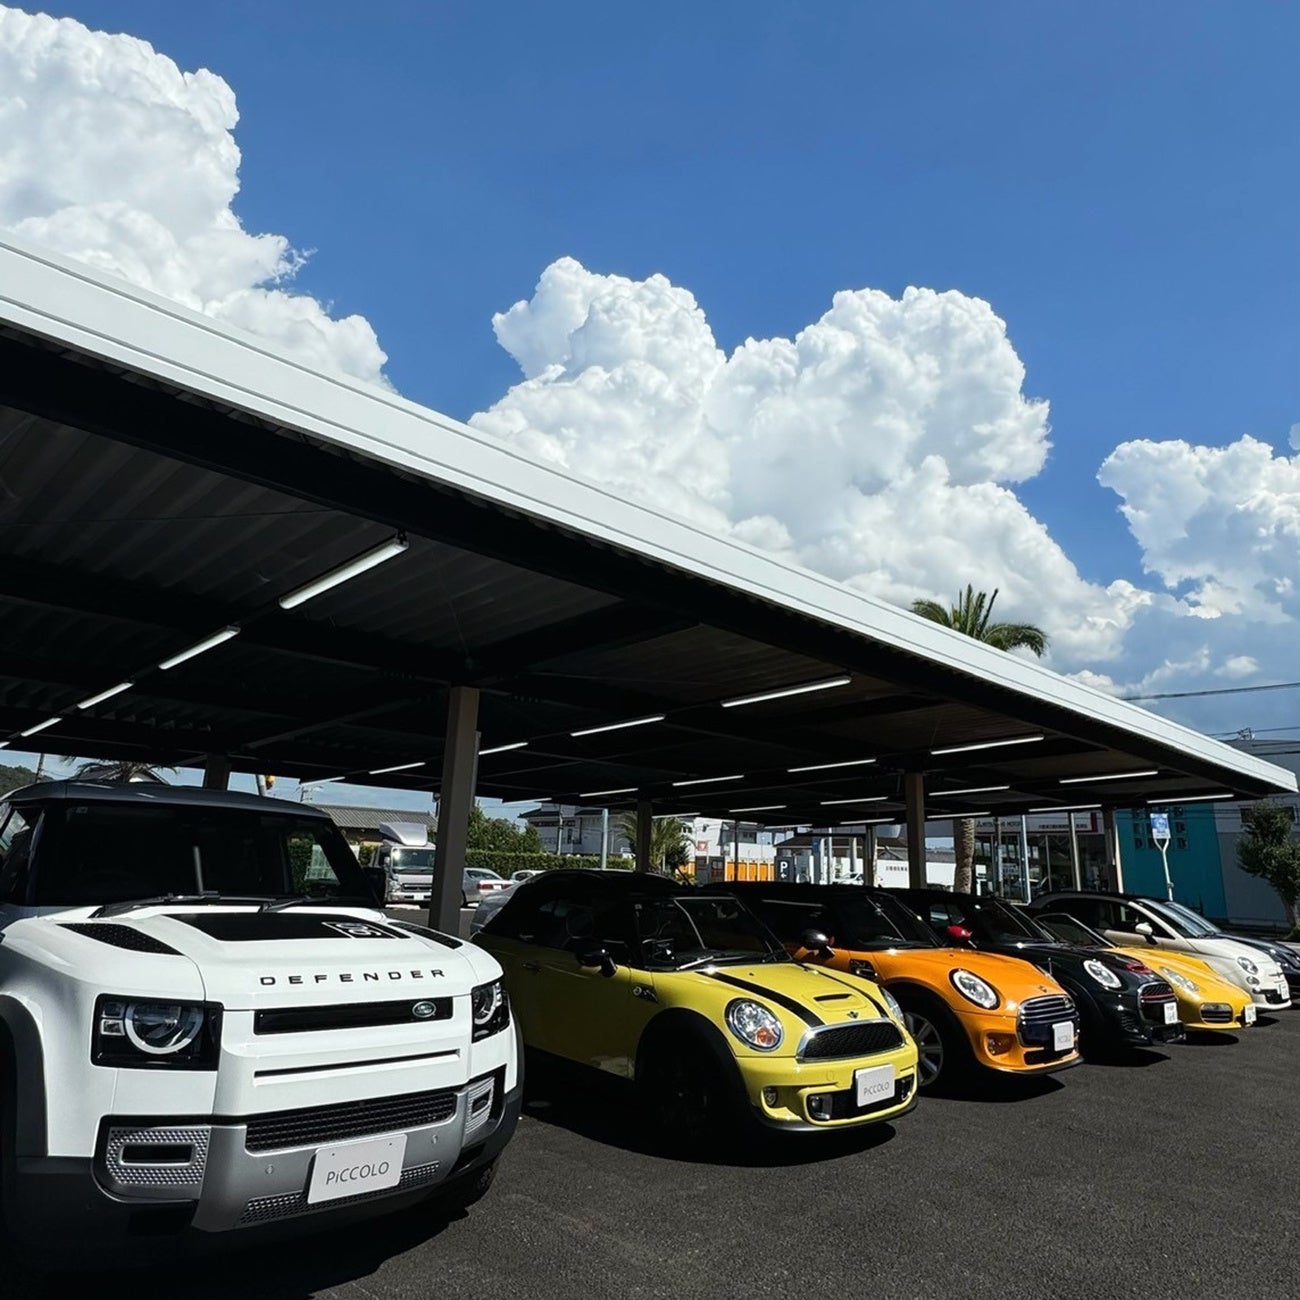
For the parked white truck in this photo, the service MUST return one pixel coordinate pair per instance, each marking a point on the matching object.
(207, 1027)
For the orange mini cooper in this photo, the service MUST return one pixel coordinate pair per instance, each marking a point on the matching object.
(966, 1010)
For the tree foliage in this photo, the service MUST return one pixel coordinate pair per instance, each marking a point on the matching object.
(972, 615)
(14, 778)
(1268, 848)
(98, 769)
(500, 835)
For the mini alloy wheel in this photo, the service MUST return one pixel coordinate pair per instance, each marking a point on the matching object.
(929, 1047)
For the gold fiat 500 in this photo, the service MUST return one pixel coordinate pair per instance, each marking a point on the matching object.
(690, 996)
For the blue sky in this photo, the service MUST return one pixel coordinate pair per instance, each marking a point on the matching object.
(1119, 183)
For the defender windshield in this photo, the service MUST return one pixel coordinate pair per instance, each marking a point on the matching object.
(675, 933)
(1183, 919)
(96, 853)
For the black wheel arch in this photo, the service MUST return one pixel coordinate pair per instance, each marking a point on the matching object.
(680, 1027)
(22, 1080)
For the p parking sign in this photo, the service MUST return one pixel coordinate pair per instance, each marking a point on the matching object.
(1160, 827)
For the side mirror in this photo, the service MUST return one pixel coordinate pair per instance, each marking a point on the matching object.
(816, 941)
(1147, 930)
(594, 957)
(377, 879)
(959, 933)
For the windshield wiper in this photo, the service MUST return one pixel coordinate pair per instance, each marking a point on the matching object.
(163, 900)
(321, 900)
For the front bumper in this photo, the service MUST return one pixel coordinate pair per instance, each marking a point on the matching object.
(998, 1044)
(783, 1092)
(86, 1209)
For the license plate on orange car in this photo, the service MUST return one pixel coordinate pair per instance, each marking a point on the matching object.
(875, 1084)
(1063, 1036)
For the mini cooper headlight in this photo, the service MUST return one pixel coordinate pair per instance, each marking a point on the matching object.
(1247, 965)
(892, 1003)
(1180, 981)
(1102, 973)
(139, 1034)
(974, 989)
(754, 1024)
(489, 1009)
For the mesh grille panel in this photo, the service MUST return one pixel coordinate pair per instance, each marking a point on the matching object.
(121, 936)
(853, 1040)
(266, 1208)
(311, 1127)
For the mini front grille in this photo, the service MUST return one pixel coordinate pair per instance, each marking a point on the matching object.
(265, 1209)
(1154, 997)
(863, 1039)
(1046, 1011)
(121, 936)
(1216, 1013)
(318, 1124)
(353, 1015)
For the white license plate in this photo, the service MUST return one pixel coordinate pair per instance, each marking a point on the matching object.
(356, 1168)
(1171, 1013)
(875, 1084)
(1063, 1036)
(1250, 1014)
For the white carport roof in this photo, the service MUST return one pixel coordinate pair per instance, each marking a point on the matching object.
(163, 477)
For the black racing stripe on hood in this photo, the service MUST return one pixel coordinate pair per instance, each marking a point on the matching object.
(808, 1017)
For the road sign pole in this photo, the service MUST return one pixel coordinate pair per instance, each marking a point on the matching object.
(1160, 833)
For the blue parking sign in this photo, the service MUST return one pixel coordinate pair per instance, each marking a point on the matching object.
(1160, 826)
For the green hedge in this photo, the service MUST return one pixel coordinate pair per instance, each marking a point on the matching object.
(505, 863)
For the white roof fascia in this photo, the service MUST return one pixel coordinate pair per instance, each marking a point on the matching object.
(58, 298)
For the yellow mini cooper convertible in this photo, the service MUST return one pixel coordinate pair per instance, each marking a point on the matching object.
(690, 995)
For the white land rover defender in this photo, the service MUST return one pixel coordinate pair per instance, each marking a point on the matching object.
(207, 1026)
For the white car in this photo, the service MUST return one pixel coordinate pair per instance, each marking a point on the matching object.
(207, 1026)
(1132, 921)
(478, 883)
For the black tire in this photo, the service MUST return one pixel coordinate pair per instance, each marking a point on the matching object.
(684, 1097)
(944, 1052)
(459, 1194)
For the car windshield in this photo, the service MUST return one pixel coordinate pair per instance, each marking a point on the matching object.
(413, 860)
(997, 922)
(1068, 930)
(1183, 919)
(676, 932)
(97, 853)
(481, 873)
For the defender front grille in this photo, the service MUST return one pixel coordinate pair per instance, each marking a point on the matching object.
(864, 1039)
(350, 1015)
(320, 1124)
(265, 1209)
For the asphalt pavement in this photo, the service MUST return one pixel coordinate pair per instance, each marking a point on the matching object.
(1173, 1174)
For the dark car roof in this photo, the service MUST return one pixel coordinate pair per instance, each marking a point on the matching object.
(800, 889)
(1097, 893)
(155, 793)
(611, 879)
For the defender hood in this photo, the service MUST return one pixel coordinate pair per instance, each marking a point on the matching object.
(249, 959)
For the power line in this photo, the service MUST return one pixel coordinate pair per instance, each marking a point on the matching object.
(1222, 690)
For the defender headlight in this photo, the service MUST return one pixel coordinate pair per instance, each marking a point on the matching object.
(138, 1034)
(974, 989)
(892, 1003)
(1247, 965)
(1180, 981)
(1102, 973)
(489, 1009)
(754, 1025)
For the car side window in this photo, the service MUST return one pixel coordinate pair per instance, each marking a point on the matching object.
(15, 852)
(1091, 911)
(789, 919)
(1128, 918)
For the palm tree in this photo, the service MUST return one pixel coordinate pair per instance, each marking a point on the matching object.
(667, 838)
(972, 616)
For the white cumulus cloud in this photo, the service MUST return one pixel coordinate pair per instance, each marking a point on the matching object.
(879, 445)
(111, 154)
